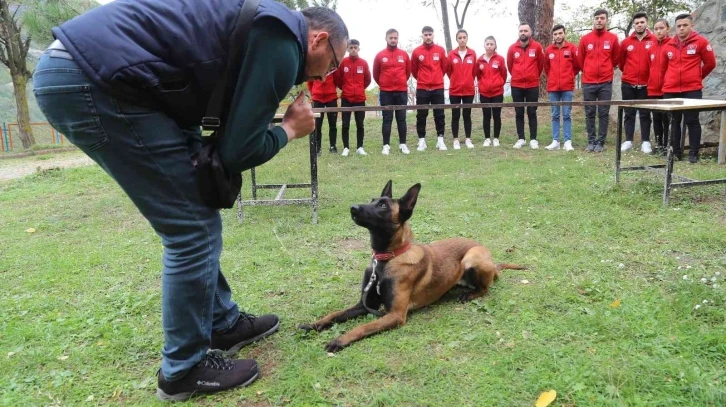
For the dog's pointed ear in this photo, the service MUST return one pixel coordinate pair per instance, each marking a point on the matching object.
(388, 189)
(407, 203)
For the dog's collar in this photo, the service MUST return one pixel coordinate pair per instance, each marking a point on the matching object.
(385, 256)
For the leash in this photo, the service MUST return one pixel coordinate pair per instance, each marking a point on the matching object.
(371, 280)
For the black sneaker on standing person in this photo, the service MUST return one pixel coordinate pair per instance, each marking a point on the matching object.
(334, 149)
(212, 374)
(246, 330)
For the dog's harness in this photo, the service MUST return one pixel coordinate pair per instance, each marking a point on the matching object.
(380, 259)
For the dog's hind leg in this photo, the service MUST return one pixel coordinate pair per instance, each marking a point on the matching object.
(336, 317)
(480, 273)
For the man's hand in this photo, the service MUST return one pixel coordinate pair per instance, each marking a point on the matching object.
(299, 120)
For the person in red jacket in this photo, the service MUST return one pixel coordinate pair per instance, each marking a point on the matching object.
(324, 94)
(491, 75)
(597, 55)
(428, 66)
(655, 84)
(353, 77)
(462, 62)
(689, 60)
(634, 66)
(561, 68)
(391, 69)
(525, 61)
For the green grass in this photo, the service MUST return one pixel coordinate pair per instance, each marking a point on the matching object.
(81, 295)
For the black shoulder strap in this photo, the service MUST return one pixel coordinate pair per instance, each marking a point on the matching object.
(237, 46)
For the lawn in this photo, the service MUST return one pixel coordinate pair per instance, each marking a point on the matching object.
(624, 305)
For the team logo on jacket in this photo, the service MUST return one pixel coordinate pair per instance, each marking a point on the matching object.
(359, 69)
(589, 47)
(346, 69)
(469, 60)
(495, 65)
(552, 56)
(436, 57)
(420, 57)
(691, 49)
(532, 53)
(709, 48)
(648, 44)
(481, 66)
(400, 59)
(455, 61)
(652, 57)
(606, 45)
(384, 60)
(516, 54)
(567, 53)
(670, 55)
(630, 47)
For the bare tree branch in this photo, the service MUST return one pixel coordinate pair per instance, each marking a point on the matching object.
(463, 14)
(25, 48)
(3, 58)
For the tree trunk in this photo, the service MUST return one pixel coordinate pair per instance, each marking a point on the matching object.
(527, 11)
(13, 54)
(445, 20)
(543, 34)
(21, 101)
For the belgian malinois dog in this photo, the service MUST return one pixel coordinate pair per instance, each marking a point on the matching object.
(405, 276)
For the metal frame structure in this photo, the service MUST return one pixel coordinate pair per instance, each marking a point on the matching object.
(687, 105)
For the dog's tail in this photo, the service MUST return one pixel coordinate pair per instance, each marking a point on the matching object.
(510, 266)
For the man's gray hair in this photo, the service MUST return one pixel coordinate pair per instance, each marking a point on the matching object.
(325, 19)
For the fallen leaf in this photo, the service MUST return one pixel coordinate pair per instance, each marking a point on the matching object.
(260, 392)
(525, 281)
(546, 398)
(11, 354)
(30, 230)
(64, 357)
(90, 398)
(116, 393)
(616, 303)
(331, 354)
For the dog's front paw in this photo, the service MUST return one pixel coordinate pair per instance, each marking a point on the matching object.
(335, 345)
(307, 327)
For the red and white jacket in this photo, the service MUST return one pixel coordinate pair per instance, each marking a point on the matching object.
(525, 64)
(461, 72)
(391, 70)
(597, 55)
(428, 66)
(491, 76)
(561, 67)
(325, 91)
(686, 63)
(634, 58)
(353, 77)
(655, 65)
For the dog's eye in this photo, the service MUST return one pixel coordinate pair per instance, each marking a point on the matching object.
(382, 205)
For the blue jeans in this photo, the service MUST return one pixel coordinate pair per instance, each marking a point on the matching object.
(149, 156)
(562, 96)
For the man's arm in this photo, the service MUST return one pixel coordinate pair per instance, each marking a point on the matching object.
(709, 60)
(267, 74)
(414, 65)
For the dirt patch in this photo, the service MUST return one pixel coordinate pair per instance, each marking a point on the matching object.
(351, 244)
(13, 170)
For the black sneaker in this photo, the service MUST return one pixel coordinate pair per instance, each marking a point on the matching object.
(590, 148)
(693, 158)
(248, 329)
(212, 374)
(598, 148)
(334, 149)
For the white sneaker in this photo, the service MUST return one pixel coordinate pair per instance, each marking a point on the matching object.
(487, 142)
(457, 146)
(568, 146)
(554, 146)
(520, 143)
(469, 144)
(345, 152)
(440, 144)
(421, 144)
(495, 143)
(386, 149)
(626, 146)
(646, 148)
(361, 151)
(404, 149)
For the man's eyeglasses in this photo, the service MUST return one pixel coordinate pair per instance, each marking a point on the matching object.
(335, 63)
